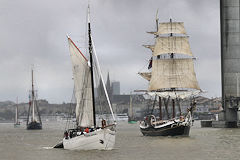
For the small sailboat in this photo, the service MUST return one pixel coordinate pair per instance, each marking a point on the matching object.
(33, 117)
(89, 132)
(171, 79)
(16, 123)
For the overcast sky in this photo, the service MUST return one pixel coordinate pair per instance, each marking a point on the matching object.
(34, 32)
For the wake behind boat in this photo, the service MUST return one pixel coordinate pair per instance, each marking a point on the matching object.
(172, 78)
(88, 132)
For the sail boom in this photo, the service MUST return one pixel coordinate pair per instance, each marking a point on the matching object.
(152, 32)
(146, 75)
(149, 47)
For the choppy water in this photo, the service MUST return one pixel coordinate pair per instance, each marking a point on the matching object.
(203, 144)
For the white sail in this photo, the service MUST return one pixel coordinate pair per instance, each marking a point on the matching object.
(145, 75)
(172, 44)
(171, 27)
(173, 73)
(82, 86)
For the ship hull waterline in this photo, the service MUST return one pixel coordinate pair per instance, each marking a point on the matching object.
(180, 130)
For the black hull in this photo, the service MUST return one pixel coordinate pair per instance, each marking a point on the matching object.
(34, 125)
(166, 131)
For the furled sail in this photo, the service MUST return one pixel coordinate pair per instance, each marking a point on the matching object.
(150, 47)
(172, 44)
(145, 75)
(173, 73)
(82, 87)
(171, 27)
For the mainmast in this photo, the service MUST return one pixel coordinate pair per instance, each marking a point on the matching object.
(91, 67)
(173, 89)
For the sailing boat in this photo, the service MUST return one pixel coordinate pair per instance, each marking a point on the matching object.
(17, 123)
(35, 123)
(87, 134)
(172, 78)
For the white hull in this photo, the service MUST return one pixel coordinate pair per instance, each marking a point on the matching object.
(101, 139)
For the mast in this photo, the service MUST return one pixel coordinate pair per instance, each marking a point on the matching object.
(160, 108)
(173, 109)
(131, 108)
(16, 115)
(91, 67)
(173, 89)
(179, 107)
(33, 99)
(157, 27)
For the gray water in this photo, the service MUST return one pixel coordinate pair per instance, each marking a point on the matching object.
(203, 144)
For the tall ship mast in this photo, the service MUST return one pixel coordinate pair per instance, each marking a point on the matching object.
(91, 131)
(33, 118)
(171, 78)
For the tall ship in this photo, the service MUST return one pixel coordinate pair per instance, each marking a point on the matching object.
(33, 117)
(171, 78)
(93, 128)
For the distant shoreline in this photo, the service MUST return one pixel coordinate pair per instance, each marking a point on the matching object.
(6, 121)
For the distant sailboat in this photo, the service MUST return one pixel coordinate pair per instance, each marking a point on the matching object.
(131, 117)
(17, 123)
(87, 134)
(172, 78)
(33, 121)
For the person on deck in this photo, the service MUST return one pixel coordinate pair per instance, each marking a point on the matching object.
(87, 130)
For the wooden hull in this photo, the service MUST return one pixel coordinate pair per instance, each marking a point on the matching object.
(34, 125)
(168, 130)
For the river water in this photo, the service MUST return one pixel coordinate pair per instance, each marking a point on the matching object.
(202, 144)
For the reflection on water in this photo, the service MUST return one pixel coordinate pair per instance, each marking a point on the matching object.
(203, 144)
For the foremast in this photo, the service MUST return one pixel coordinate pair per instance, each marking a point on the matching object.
(90, 50)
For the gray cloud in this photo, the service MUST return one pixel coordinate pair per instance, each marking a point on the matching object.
(34, 32)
